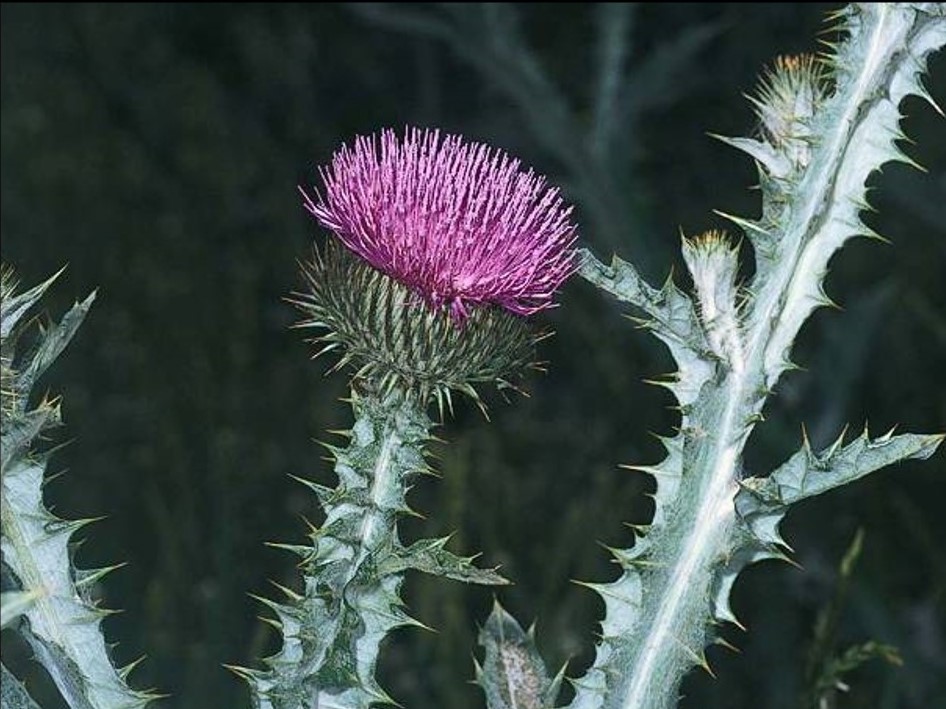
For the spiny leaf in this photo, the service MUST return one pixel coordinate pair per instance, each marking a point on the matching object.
(430, 557)
(63, 628)
(13, 307)
(669, 309)
(807, 473)
(670, 316)
(513, 675)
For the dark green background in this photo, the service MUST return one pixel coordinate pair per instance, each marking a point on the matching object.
(156, 149)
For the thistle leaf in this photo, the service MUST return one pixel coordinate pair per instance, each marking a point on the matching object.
(63, 623)
(762, 503)
(430, 557)
(807, 473)
(513, 674)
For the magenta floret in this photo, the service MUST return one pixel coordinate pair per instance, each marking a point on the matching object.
(459, 223)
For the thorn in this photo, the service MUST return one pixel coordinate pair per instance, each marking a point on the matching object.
(243, 673)
(333, 449)
(105, 612)
(787, 559)
(651, 470)
(746, 224)
(628, 560)
(411, 512)
(477, 672)
(887, 436)
(411, 621)
(805, 441)
(868, 233)
(738, 623)
(274, 606)
(127, 669)
(825, 300)
(313, 530)
(832, 449)
(272, 622)
(698, 658)
(922, 92)
(722, 642)
(54, 476)
(906, 159)
(591, 585)
(640, 530)
(321, 491)
(298, 549)
(290, 594)
(91, 576)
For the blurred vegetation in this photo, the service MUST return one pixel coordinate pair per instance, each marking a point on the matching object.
(155, 149)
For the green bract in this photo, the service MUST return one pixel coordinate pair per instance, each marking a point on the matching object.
(396, 341)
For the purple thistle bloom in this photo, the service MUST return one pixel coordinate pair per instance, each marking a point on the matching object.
(459, 223)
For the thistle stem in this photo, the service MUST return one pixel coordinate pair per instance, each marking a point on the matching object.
(353, 568)
(710, 519)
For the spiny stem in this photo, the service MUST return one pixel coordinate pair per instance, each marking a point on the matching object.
(355, 564)
(817, 149)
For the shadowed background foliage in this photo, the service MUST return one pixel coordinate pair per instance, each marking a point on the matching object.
(155, 149)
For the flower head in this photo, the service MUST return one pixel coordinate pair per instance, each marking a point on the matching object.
(458, 223)
(395, 342)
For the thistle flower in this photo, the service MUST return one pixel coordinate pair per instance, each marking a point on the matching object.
(789, 98)
(458, 223)
(444, 247)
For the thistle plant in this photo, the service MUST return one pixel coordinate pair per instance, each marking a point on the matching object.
(46, 598)
(439, 250)
(826, 124)
(438, 253)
